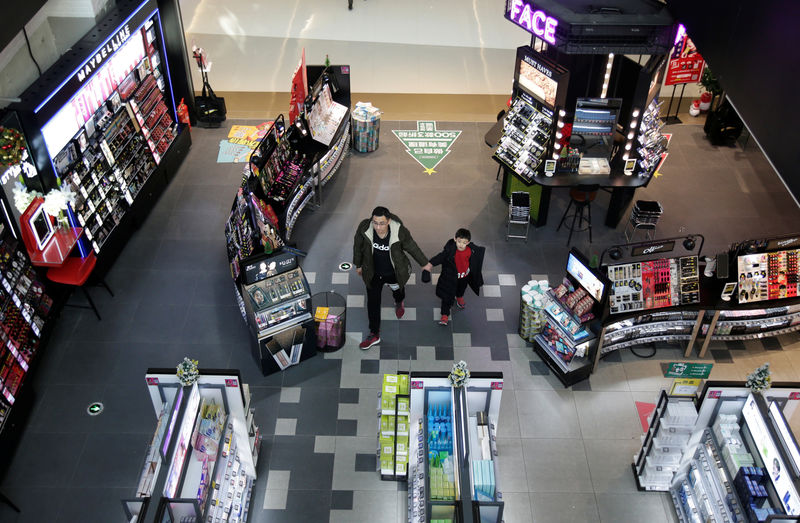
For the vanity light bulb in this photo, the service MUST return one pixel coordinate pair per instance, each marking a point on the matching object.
(608, 75)
(559, 135)
(562, 113)
(633, 124)
(630, 135)
(627, 146)
(625, 156)
(635, 113)
(557, 146)
(555, 156)
(560, 125)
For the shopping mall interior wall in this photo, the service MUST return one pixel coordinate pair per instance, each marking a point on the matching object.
(410, 46)
(753, 49)
(53, 27)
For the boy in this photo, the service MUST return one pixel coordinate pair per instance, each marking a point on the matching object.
(462, 263)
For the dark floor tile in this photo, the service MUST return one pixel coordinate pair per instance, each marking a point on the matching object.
(116, 319)
(347, 427)
(127, 409)
(45, 460)
(370, 366)
(62, 409)
(309, 470)
(348, 395)
(582, 386)
(29, 501)
(539, 368)
(500, 353)
(406, 352)
(735, 345)
(342, 500)
(613, 356)
(112, 460)
(721, 355)
(388, 352)
(87, 363)
(158, 323)
(316, 413)
(771, 344)
(444, 353)
(93, 504)
(314, 372)
(366, 463)
(215, 324)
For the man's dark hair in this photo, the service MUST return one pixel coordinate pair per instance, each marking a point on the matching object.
(463, 233)
(381, 211)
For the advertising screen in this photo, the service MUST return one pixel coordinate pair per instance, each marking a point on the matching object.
(537, 84)
(585, 277)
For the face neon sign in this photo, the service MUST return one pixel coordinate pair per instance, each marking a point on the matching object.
(533, 20)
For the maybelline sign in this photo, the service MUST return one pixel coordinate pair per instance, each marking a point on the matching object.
(104, 53)
(535, 21)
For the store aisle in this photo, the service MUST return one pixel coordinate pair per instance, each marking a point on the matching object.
(564, 453)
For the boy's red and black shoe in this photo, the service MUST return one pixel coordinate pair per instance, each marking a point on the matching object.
(444, 319)
(460, 302)
(369, 341)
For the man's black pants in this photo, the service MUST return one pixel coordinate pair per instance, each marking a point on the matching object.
(374, 299)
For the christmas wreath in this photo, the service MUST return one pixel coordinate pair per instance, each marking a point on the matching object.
(12, 145)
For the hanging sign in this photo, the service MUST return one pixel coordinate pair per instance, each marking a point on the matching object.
(524, 14)
(427, 145)
(685, 63)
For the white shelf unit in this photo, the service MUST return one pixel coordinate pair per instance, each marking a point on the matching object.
(670, 427)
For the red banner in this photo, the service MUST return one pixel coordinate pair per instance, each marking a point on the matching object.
(299, 89)
(685, 64)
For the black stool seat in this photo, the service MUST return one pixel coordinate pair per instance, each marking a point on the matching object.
(581, 196)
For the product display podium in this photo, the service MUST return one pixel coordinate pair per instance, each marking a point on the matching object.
(452, 468)
(200, 464)
(731, 458)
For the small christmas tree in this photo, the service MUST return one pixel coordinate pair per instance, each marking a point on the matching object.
(760, 379)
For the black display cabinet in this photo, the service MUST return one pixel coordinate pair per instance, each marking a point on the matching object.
(103, 121)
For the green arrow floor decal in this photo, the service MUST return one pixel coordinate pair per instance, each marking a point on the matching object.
(427, 145)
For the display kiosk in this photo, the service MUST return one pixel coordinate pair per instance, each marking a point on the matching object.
(200, 463)
(452, 449)
(730, 456)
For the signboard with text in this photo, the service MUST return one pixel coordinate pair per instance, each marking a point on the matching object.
(685, 64)
(680, 369)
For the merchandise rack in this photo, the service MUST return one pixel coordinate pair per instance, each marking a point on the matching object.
(213, 490)
(480, 398)
(393, 422)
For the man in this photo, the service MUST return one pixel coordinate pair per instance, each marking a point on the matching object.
(379, 254)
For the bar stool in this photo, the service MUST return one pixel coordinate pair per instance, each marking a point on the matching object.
(519, 214)
(582, 197)
(75, 271)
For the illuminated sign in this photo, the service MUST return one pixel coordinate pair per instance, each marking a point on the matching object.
(533, 20)
(104, 53)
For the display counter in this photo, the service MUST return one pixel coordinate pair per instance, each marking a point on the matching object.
(200, 464)
(453, 472)
(728, 456)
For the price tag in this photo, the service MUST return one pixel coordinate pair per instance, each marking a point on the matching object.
(81, 219)
(6, 285)
(89, 234)
(83, 192)
(128, 197)
(94, 178)
(102, 192)
(98, 219)
(16, 300)
(95, 247)
(91, 205)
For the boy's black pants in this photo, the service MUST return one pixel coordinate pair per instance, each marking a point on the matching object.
(461, 286)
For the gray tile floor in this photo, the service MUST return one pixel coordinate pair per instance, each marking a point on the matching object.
(564, 453)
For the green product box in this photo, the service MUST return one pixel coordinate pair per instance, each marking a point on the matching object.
(402, 405)
(401, 469)
(387, 425)
(402, 425)
(402, 444)
(387, 446)
(402, 385)
(387, 465)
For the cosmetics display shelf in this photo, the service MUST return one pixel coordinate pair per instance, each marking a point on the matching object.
(527, 132)
(653, 284)
(202, 457)
(393, 427)
(662, 445)
(564, 343)
(452, 471)
(757, 328)
(152, 115)
(279, 302)
(652, 144)
(332, 160)
(642, 341)
(707, 491)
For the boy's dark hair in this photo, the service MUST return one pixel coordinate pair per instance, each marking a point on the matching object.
(381, 211)
(463, 233)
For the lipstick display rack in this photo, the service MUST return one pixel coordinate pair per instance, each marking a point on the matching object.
(527, 132)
